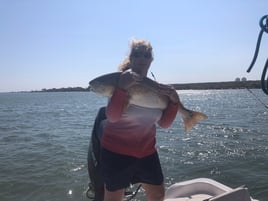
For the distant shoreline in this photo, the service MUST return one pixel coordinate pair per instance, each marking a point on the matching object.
(252, 84)
(68, 89)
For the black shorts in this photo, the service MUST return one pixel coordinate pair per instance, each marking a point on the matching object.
(119, 171)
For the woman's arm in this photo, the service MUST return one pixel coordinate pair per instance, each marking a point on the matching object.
(116, 105)
(169, 114)
(119, 98)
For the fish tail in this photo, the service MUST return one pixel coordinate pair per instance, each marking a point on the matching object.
(192, 119)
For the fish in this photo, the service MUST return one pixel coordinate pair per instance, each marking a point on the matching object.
(144, 94)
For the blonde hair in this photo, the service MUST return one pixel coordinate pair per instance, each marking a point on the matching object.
(134, 44)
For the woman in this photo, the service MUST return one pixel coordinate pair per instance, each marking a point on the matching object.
(128, 142)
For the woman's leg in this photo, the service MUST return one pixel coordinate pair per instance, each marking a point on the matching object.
(154, 192)
(117, 195)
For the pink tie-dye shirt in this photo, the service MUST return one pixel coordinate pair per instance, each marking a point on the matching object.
(132, 130)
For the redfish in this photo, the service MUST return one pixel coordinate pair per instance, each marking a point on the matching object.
(144, 94)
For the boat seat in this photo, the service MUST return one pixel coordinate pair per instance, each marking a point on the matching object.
(238, 194)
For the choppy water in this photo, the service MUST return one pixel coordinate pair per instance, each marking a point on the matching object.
(44, 140)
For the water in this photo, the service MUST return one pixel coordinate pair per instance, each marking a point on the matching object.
(44, 140)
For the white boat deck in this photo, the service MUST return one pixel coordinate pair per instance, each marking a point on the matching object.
(204, 189)
(199, 197)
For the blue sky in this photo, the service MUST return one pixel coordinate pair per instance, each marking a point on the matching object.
(64, 43)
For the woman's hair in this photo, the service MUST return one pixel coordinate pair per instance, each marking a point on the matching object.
(134, 44)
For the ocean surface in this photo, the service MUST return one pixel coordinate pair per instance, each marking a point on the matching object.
(44, 141)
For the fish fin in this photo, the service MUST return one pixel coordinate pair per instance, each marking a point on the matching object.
(193, 119)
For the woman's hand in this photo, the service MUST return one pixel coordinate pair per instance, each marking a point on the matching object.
(128, 79)
(168, 91)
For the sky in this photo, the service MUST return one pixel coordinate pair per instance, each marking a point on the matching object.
(65, 43)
